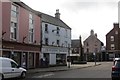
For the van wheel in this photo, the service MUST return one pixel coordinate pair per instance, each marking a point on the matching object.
(23, 75)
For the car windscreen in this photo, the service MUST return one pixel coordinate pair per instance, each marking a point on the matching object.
(117, 63)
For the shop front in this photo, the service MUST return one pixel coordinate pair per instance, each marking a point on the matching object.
(25, 55)
(55, 55)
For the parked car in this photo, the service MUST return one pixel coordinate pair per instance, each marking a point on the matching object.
(116, 69)
(10, 69)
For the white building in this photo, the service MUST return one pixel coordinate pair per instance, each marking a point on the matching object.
(56, 37)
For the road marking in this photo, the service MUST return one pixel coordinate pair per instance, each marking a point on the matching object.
(45, 75)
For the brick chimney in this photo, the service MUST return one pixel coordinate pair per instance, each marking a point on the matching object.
(57, 14)
(92, 32)
(116, 25)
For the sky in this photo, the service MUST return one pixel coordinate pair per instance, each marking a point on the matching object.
(81, 15)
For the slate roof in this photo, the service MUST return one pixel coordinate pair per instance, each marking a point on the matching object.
(45, 17)
(53, 20)
(75, 43)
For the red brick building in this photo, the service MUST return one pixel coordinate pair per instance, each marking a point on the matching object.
(113, 41)
(21, 34)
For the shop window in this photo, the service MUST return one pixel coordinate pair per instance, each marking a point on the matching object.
(60, 59)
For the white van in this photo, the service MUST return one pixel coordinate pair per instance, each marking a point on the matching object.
(10, 69)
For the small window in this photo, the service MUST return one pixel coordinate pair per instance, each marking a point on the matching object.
(87, 44)
(116, 32)
(112, 46)
(58, 30)
(112, 38)
(87, 50)
(58, 42)
(46, 28)
(46, 41)
(13, 65)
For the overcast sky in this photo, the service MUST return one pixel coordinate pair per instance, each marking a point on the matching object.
(81, 15)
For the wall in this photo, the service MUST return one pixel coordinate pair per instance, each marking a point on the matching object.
(6, 13)
(53, 37)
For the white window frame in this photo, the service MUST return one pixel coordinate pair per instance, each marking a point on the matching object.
(31, 28)
(112, 38)
(112, 46)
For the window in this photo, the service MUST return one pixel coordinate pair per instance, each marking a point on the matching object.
(58, 30)
(46, 41)
(87, 44)
(58, 42)
(116, 32)
(87, 50)
(31, 29)
(13, 31)
(13, 65)
(14, 11)
(46, 28)
(30, 18)
(112, 46)
(112, 38)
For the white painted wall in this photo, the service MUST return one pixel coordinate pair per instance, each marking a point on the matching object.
(65, 35)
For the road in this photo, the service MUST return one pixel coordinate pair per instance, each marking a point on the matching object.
(101, 71)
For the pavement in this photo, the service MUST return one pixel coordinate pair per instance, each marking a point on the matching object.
(62, 68)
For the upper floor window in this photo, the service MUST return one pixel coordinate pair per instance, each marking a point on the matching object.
(30, 19)
(58, 42)
(58, 30)
(31, 28)
(13, 31)
(87, 44)
(112, 38)
(46, 41)
(116, 32)
(46, 28)
(14, 11)
(87, 50)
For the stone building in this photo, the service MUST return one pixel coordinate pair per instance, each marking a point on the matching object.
(92, 47)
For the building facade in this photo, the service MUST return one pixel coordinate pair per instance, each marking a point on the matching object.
(113, 42)
(76, 50)
(92, 47)
(56, 38)
(21, 34)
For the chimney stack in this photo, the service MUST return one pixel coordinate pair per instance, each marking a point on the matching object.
(92, 32)
(116, 25)
(57, 14)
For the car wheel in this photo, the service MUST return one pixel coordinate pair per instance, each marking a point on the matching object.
(23, 75)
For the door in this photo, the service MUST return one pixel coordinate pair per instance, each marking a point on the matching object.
(15, 71)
